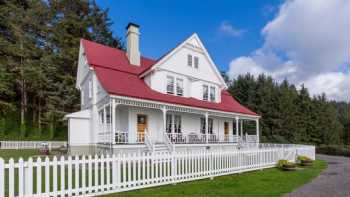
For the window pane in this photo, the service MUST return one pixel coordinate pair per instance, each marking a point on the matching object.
(212, 93)
(170, 85)
(205, 92)
(177, 120)
(169, 123)
(210, 126)
(179, 87)
(189, 60)
(202, 125)
(196, 62)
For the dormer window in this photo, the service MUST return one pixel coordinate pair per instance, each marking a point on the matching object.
(189, 60)
(196, 62)
(212, 93)
(205, 92)
(179, 87)
(170, 85)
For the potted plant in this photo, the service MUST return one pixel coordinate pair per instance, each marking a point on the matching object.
(304, 160)
(286, 165)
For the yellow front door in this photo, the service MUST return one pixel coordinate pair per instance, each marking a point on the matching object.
(141, 127)
(226, 132)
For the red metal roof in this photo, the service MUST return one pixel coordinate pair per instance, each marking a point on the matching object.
(118, 77)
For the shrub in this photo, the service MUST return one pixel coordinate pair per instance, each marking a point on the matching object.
(285, 164)
(343, 150)
(302, 158)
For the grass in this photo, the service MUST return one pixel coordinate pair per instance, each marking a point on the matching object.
(16, 154)
(269, 183)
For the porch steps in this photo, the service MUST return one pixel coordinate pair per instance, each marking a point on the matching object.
(158, 148)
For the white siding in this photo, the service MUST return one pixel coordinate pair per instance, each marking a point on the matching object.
(79, 131)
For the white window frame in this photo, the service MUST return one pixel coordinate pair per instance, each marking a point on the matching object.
(173, 123)
(205, 94)
(170, 85)
(189, 60)
(196, 62)
(212, 94)
(179, 88)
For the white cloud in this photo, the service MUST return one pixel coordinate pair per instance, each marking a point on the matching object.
(307, 41)
(226, 28)
(335, 84)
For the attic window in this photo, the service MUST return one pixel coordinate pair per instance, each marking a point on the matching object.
(196, 62)
(189, 60)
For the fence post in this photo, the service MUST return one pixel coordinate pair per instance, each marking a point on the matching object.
(2, 177)
(173, 166)
(211, 165)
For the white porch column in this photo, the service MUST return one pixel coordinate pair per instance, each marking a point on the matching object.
(104, 124)
(257, 131)
(237, 127)
(206, 126)
(164, 110)
(113, 117)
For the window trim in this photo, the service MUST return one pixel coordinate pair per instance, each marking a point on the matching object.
(189, 60)
(205, 94)
(170, 85)
(173, 123)
(212, 94)
(196, 62)
(177, 86)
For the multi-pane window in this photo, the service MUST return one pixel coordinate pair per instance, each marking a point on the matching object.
(210, 126)
(196, 62)
(177, 123)
(212, 93)
(169, 123)
(189, 60)
(170, 127)
(205, 92)
(170, 85)
(179, 87)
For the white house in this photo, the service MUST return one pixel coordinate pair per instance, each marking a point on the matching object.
(130, 102)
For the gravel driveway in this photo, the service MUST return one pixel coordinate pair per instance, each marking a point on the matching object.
(333, 182)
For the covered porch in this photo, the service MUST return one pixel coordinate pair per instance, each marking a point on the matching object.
(129, 121)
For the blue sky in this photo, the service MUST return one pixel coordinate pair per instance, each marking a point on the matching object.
(166, 23)
(305, 41)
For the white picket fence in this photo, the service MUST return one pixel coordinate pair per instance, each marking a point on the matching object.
(90, 176)
(31, 144)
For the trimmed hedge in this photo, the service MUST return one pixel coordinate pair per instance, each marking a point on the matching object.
(342, 150)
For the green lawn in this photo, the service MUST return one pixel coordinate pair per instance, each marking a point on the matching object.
(269, 183)
(16, 154)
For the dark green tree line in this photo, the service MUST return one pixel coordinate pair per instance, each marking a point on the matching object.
(39, 44)
(291, 115)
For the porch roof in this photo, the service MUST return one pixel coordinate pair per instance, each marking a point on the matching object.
(111, 64)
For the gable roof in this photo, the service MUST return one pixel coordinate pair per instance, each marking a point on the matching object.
(118, 77)
(196, 42)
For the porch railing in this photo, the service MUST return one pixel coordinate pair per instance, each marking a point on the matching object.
(195, 138)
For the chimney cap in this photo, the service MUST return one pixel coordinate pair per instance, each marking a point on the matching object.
(132, 24)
